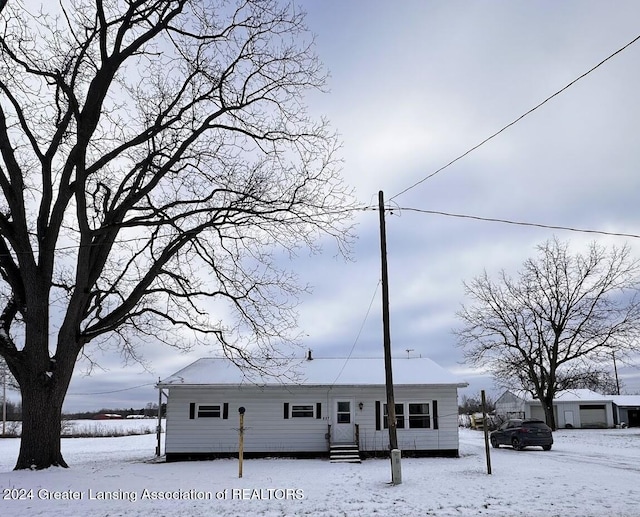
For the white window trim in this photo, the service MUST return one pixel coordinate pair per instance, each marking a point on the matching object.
(429, 404)
(213, 404)
(299, 404)
(405, 414)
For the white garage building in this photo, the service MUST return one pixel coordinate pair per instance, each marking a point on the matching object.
(580, 408)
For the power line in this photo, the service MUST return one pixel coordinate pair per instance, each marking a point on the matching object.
(520, 223)
(359, 332)
(113, 391)
(518, 119)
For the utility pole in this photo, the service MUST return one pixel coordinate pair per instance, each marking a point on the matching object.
(615, 369)
(391, 406)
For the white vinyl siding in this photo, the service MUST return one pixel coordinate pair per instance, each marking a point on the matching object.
(581, 417)
(267, 431)
(265, 428)
(444, 437)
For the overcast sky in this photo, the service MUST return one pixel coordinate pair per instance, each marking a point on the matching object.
(413, 85)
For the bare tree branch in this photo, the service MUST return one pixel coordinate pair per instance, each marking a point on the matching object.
(156, 158)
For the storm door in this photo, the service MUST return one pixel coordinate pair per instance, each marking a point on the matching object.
(343, 425)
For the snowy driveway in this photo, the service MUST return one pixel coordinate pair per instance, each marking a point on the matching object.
(612, 448)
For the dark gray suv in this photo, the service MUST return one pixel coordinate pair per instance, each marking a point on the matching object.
(522, 433)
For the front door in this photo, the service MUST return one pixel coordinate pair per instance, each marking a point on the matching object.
(343, 421)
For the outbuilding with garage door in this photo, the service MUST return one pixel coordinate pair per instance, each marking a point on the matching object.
(579, 408)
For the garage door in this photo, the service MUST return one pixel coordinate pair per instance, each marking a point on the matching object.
(593, 416)
(537, 412)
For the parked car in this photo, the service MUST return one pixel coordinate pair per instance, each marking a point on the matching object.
(521, 433)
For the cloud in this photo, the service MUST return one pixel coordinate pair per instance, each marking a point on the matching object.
(415, 84)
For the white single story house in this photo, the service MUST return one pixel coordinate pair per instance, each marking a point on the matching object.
(580, 408)
(334, 402)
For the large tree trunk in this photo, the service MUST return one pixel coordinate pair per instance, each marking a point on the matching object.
(41, 426)
(43, 392)
(549, 415)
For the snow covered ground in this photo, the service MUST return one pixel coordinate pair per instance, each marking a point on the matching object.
(588, 473)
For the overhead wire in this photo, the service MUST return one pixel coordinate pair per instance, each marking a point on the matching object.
(113, 391)
(521, 223)
(366, 316)
(517, 119)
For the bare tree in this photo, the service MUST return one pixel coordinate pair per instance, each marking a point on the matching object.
(473, 404)
(156, 160)
(556, 325)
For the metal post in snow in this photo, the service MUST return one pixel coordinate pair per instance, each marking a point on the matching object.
(159, 426)
(486, 432)
(241, 410)
(4, 401)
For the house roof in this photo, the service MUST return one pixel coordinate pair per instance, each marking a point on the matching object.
(626, 400)
(318, 371)
(581, 395)
(577, 395)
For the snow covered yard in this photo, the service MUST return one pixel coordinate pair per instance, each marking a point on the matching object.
(588, 473)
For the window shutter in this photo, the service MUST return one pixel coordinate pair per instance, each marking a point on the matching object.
(318, 410)
(192, 411)
(225, 411)
(377, 415)
(434, 404)
(286, 410)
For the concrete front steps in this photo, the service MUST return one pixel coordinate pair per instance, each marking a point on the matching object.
(344, 453)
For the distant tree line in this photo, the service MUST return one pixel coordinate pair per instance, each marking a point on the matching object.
(469, 405)
(14, 412)
(150, 410)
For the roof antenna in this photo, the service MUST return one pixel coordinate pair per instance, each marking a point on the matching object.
(409, 350)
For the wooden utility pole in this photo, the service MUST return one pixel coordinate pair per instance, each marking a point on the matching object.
(391, 406)
(615, 369)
